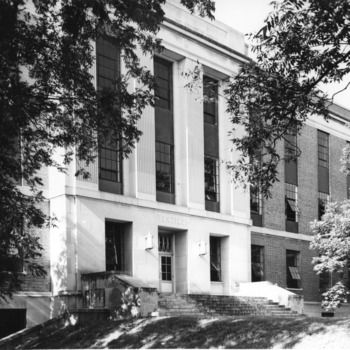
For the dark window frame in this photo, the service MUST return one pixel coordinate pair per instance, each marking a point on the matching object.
(323, 149)
(255, 200)
(211, 179)
(211, 103)
(293, 272)
(215, 259)
(166, 268)
(257, 263)
(291, 147)
(163, 84)
(291, 202)
(102, 58)
(165, 159)
(323, 200)
(110, 155)
(111, 164)
(115, 246)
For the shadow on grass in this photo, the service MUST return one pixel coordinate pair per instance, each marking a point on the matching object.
(191, 332)
(252, 333)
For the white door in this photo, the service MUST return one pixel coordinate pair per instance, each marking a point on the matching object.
(166, 262)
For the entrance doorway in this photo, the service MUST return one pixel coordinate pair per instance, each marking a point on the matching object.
(166, 261)
(118, 247)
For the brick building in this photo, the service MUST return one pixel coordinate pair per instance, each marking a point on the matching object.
(280, 235)
(169, 216)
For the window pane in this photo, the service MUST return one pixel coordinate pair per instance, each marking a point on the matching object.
(166, 268)
(108, 65)
(164, 167)
(293, 273)
(211, 178)
(110, 161)
(163, 85)
(323, 149)
(291, 204)
(255, 201)
(210, 93)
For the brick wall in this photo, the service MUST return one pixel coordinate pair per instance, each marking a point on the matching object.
(273, 208)
(337, 179)
(307, 178)
(40, 284)
(275, 263)
(274, 212)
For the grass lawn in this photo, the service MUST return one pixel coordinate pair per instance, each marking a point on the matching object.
(199, 332)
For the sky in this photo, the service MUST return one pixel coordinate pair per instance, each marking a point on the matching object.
(244, 15)
(247, 16)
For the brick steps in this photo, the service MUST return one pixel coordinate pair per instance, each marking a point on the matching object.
(217, 305)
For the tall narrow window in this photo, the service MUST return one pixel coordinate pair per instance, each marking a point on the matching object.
(256, 206)
(293, 265)
(211, 144)
(291, 163)
(323, 149)
(323, 199)
(115, 246)
(257, 263)
(165, 167)
(211, 177)
(163, 87)
(291, 207)
(323, 171)
(164, 131)
(110, 156)
(215, 259)
(110, 161)
(256, 202)
(108, 63)
(210, 91)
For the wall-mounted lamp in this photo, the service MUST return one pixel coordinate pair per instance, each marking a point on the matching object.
(149, 241)
(202, 247)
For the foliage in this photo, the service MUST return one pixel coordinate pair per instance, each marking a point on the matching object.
(302, 45)
(49, 105)
(335, 296)
(331, 241)
(130, 304)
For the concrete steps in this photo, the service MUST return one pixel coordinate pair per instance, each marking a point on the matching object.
(219, 305)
